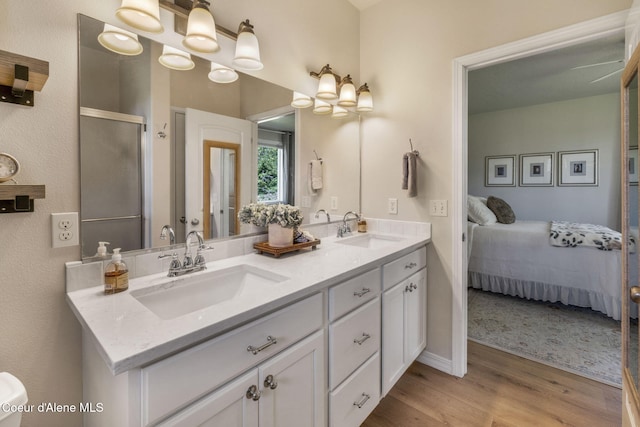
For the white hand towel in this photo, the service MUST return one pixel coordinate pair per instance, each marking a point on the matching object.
(316, 174)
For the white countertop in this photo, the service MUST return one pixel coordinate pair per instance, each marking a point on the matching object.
(128, 335)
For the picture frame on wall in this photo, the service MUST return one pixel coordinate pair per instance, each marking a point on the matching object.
(500, 171)
(536, 170)
(633, 165)
(578, 168)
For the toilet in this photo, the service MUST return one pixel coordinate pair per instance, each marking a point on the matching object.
(12, 395)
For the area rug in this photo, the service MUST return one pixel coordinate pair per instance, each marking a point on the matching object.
(578, 340)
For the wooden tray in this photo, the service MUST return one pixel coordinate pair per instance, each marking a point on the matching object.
(263, 247)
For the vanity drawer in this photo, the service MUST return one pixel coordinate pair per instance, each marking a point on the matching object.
(352, 340)
(403, 267)
(178, 380)
(355, 399)
(354, 292)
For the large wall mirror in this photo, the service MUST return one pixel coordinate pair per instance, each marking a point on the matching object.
(143, 133)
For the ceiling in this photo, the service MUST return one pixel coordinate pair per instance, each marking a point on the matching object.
(363, 4)
(548, 77)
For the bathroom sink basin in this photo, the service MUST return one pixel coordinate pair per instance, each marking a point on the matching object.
(370, 241)
(182, 295)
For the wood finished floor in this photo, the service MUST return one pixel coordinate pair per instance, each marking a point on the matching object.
(499, 390)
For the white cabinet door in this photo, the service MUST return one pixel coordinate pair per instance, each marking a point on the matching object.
(293, 386)
(392, 337)
(404, 327)
(415, 317)
(234, 405)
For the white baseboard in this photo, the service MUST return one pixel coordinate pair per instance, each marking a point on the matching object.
(436, 362)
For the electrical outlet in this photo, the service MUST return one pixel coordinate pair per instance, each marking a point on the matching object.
(334, 203)
(438, 208)
(306, 202)
(393, 206)
(65, 229)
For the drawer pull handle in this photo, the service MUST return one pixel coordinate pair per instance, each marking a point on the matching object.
(360, 341)
(270, 382)
(270, 341)
(362, 292)
(253, 393)
(410, 265)
(365, 398)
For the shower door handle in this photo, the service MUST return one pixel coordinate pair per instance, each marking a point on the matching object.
(634, 294)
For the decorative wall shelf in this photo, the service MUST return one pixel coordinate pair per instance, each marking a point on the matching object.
(20, 76)
(19, 198)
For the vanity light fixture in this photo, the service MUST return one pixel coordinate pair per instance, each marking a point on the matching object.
(176, 59)
(119, 41)
(321, 107)
(247, 48)
(300, 100)
(365, 101)
(221, 74)
(201, 29)
(327, 86)
(143, 15)
(339, 112)
(347, 93)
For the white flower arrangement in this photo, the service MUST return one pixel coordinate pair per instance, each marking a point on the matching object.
(262, 215)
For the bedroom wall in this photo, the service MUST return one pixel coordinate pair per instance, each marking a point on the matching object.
(585, 123)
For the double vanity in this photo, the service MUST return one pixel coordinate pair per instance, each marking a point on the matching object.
(309, 339)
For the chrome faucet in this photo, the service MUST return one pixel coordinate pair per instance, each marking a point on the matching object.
(344, 227)
(325, 212)
(172, 235)
(189, 264)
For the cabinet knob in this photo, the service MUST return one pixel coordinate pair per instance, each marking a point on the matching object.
(253, 393)
(270, 382)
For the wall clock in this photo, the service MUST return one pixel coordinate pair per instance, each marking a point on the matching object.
(9, 167)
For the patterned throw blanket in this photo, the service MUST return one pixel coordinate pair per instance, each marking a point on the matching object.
(571, 234)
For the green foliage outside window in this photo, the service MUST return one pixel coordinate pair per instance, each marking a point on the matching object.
(267, 173)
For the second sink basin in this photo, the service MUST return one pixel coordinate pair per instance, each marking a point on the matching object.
(370, 241)
(179, 296)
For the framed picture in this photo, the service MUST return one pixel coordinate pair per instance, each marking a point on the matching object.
(578, 168)
(499, 171)
(536, 170)
(633, 165)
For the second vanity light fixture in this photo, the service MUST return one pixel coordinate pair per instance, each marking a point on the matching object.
(332, 87)
(200, 36)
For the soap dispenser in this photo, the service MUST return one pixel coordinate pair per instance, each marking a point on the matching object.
(116, 274)
(102, 249)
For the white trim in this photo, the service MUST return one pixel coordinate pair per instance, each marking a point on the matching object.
(435, 361)
(574, 34)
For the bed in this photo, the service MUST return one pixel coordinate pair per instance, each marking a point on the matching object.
(517, 259)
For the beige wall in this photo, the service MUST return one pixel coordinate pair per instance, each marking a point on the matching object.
(39, 336)
(407, 49)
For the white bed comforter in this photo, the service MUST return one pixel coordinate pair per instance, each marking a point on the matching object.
(517, 259)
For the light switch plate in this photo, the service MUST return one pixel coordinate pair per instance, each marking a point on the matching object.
(334, 203)
(438, 208)
(393, 206)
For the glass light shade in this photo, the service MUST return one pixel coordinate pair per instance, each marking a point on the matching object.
(221, 74)
(347, 94)
(176, 59)
(339, 112)
(201, 31)
(247, 52)
(141, 14)
(327, 87)
(365, 102)
(300, 100)
(321, 107)
(119, 41)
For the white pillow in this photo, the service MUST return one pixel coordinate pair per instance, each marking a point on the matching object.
(478, 212)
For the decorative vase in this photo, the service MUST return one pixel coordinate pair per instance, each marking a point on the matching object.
(279, 236)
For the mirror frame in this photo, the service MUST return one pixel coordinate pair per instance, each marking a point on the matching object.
(206, 183)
